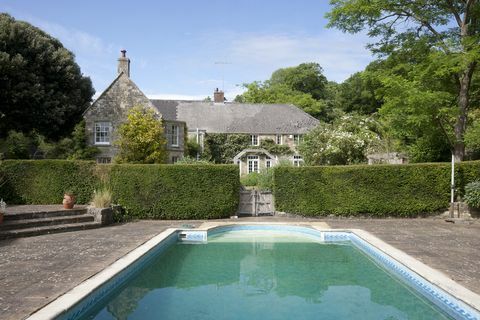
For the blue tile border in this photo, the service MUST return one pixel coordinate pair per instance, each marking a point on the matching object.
(449, 304)
(446, 302)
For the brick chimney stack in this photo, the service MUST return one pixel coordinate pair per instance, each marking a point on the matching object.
(124, 63)
(218, 96)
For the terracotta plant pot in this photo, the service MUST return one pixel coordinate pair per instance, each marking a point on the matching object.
(68, 201)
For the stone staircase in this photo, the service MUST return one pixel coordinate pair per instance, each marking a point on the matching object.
(26, 221)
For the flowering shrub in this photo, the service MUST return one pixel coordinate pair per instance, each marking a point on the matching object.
(346, 141)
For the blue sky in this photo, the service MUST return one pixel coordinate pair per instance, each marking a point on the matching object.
(175, 46)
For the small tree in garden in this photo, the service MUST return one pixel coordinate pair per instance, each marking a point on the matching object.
(141, 138)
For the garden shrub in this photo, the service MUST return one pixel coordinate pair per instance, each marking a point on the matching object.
(144, 191)
(45, 181)
(176, 191)
(380, 190)
(472, 194)
(249, 180)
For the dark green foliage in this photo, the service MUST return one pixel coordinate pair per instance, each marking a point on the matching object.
(45, 181)
(144, 191)
(357, 93)
(17, 146)
(192, 148)
(176, 192)
(380, 190)
(275, 149)
(34, 146)
(41, 86)
(221, 147)
(306, 78)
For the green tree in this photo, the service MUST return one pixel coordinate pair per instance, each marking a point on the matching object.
(450, 27)
(359, 93)
(306, 78)
(472, 136)
(141, 138)
(345, 141)
(41, 86)
(304, 86)
(419, 103)
(258, 92)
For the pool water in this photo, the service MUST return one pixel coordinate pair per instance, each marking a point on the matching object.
(262, 275)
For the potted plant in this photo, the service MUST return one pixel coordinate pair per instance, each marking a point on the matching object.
(68, 200)
(3, 208)
(472, 197)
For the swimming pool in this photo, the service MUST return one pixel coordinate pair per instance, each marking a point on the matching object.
(264, 271)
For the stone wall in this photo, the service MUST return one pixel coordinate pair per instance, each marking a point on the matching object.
(112, 106)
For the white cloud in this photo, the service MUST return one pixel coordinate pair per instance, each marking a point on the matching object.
(76, 40)
(339, 54)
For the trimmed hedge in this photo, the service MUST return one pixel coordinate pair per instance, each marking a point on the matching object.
(176, 192)
(380, 190)
(144, 191)
(45, 181)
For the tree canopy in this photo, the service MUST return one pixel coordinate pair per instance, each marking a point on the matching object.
(306, 78)
(450, 29)
(41, 86)
(304, 86)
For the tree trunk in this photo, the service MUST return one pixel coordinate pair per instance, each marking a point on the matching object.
(463, 103)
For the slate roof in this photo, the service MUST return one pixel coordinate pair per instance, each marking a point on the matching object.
(237, 117)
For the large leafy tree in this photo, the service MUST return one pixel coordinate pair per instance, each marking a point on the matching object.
(141, 138)
(359, 93)
(451, 28)
(41, 86)
(306, 78)
(304, 86)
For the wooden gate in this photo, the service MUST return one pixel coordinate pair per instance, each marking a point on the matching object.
(256, 203)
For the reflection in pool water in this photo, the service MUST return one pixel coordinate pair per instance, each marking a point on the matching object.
(257, 278)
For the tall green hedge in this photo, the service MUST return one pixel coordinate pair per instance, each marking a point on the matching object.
(380, 190)
(145, 191)
(176, 192)
(45, 181)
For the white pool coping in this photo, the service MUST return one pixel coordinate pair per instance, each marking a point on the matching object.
(68, 300)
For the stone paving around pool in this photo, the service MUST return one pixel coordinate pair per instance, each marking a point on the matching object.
(36, 270)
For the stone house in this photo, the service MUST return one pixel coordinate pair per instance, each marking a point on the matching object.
(110, 109)
(282, 123)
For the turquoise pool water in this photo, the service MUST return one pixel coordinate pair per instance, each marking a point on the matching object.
(262, 275)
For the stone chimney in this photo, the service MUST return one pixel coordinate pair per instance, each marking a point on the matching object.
(124, 63)
(218, 96)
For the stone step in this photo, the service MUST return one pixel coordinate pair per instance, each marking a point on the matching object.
(7, 234)
(9, 216)
(45, 221)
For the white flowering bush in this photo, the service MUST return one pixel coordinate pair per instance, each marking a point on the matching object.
(346, 141)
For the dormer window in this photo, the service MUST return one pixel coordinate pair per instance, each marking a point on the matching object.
(102, 133)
